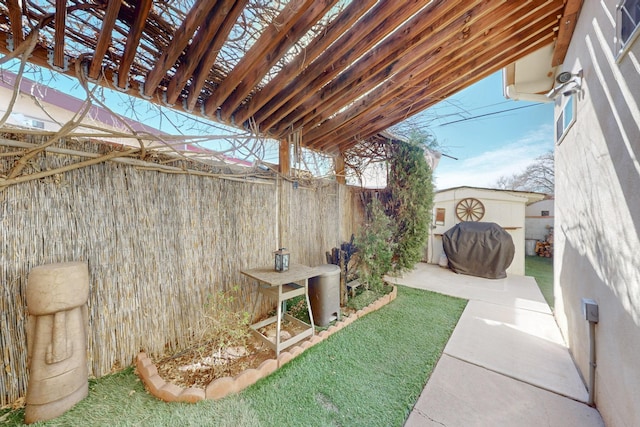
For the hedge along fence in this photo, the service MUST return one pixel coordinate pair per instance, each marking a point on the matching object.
(156, 244)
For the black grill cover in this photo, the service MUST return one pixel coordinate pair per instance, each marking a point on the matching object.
(481, 249)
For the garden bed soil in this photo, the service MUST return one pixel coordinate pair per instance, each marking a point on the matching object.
(203, 363)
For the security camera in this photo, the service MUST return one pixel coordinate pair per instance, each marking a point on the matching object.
(568, 84)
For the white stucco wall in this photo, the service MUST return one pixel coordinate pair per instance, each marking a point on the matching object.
(597, 244)
(537, 226)
(503, 208)
(536, 208)
(26, 109)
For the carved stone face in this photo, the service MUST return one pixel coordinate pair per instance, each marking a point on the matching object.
(57, 297)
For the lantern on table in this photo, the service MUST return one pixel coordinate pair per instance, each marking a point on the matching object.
(282, 259)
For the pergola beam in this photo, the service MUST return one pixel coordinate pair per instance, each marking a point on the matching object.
(565, 31)
(104, 40)
(380, 21)
(459, 54)
(203, 68)
(60, 25)
(272, 35)
(382, 62)
(462, 37)
(342, 23)
(15, 17)
(141, 12)
(412, 108)
(428, 95)
(302, 25)
(201, 44)
(194, 19)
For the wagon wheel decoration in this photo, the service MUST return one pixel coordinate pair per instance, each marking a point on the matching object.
(470, 209)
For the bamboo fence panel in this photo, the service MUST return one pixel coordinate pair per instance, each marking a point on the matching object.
(314, 222)
(157, 246)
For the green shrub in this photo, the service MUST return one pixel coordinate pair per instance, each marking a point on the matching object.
(410, 201)
(375, 248)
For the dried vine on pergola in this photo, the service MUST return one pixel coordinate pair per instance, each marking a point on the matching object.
(332, 74)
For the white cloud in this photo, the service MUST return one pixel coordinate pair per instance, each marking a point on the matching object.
(485, 169)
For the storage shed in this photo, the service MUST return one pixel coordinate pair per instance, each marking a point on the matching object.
(503, 207)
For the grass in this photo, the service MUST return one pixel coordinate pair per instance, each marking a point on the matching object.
(541, 269)
(369, 374)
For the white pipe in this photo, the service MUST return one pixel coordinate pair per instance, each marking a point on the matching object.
(512, 93)
(592, 362)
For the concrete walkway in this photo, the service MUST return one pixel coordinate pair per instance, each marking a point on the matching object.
(505, 364)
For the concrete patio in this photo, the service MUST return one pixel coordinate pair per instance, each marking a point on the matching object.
(506, 363)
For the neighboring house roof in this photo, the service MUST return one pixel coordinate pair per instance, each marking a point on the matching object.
(69, 103)
(102, 115)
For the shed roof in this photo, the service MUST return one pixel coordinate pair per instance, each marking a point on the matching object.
(523, 196)
(333, 73)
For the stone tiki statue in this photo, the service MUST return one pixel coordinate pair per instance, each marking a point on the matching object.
(57, 329)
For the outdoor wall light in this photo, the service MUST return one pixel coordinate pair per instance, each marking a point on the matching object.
(568, 84)
(282, 260)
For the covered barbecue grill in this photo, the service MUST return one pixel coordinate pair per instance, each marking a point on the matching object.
(482, 249)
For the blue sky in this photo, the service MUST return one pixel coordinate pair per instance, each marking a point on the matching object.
(492, 145)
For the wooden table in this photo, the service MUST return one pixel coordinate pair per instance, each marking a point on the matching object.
(283, 286)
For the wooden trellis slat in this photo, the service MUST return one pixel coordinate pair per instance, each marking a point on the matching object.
(343, 22)
(60, 23)
(272, 35)
(197, 49)
(302, 25)
(194, 19)
(445, 88)
(141, 12)
(379, 22)
(203, 68)
(104, 39)
(385, 56)
(565, 30)
(458, 57)
(15, 17)
(462, 38)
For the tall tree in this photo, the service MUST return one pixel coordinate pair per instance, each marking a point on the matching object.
(539, 176)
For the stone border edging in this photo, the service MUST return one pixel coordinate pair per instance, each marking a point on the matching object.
(222, 387)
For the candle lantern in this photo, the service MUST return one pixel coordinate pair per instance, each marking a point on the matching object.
(282, 259)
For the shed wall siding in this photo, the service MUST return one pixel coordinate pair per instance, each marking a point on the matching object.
(502, 208)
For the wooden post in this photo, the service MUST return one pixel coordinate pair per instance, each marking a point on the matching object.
(285, 158)
(340, 174)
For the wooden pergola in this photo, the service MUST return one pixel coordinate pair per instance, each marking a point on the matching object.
(328, 73)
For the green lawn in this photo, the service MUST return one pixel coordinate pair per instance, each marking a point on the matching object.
(542, 270)
(368, 374)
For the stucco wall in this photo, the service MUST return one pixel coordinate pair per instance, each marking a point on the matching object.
(501, 207)
(538, 228)
(60, 109)
(597, 242)
(536, 208)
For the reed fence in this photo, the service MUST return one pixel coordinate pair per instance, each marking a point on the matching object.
(157, 245)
